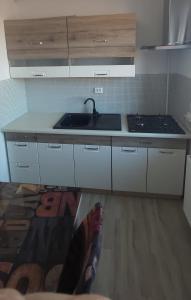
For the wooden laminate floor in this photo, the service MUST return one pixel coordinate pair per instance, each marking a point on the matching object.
(146, 250)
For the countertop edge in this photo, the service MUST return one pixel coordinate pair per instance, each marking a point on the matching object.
(11, 127)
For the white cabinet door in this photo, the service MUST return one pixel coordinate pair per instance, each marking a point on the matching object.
(129, 168)
(24, 172)
(22, 151)
(187, 191)
(103, 71)
(93, 166)
(165, 171)
(56, 164)
(23, 162)
(39, 72)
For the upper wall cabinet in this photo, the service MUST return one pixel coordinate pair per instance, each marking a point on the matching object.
(86, 46)
(102, 36)
(37, 47)
(102, 46)
(36, 39)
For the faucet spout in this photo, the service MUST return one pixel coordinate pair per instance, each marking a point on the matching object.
(95, 113)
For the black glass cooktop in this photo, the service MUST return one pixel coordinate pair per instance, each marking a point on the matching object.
(153, 124)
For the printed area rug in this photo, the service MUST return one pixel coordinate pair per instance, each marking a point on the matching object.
(36, 227)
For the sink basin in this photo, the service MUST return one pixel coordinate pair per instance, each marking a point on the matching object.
(88, 122)
(75, 120)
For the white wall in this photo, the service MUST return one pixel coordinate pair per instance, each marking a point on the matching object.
(12, 92)
(149, 16)
(12, 105)
(4, 68)
(181, 62)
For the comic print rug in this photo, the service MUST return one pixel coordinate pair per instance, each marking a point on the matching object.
(36, 227)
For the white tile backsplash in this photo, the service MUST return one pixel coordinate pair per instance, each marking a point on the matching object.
(142, 94)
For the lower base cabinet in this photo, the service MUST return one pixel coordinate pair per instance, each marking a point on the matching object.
(93, 166)
(128, 165)
(56, 164)
(129, 169)
(166, 171)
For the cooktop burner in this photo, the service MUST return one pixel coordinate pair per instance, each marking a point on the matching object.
(153, 124)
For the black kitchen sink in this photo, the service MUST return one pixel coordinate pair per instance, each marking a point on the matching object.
(76, 120)
(89, 121)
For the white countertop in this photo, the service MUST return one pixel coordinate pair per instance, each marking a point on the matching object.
(43, 123)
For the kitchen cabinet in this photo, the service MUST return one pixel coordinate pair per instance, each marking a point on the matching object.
(165, 171)
(102, 36)
(69, 46)
(93, 166)
(56, 163)
(129, 169)
(37, 47)
(141, 165)
(36, 38)
(187, 191)
(23, 161)
(39, 72)
(103, 71)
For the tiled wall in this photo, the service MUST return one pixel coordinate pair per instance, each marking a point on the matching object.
(180, 85)
(12, 100)
(180, 97)
(144, 94)
(12, 104)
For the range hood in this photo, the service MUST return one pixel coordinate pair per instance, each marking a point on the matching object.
(176, 26)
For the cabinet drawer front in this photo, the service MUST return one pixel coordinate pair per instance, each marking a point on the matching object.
(93, 166)
(102, 71)
(56, 164)
(22, 151)
(166, 171)
(23, 172)
(39, 72)
(129, 168)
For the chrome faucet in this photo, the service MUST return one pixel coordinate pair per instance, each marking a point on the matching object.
(95, 113)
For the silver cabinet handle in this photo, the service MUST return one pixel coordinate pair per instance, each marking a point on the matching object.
(101, 74)
(23, 166)
(124, 149)
(54, 146)
(166, 152)
(20, 145)
(39, 75)
(100, 41)
(91, 148)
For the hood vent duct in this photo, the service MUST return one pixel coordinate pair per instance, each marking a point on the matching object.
(177, 26)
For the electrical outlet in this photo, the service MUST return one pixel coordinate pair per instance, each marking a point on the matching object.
(98, 90)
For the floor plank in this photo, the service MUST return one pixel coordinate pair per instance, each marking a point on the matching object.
(146, 248)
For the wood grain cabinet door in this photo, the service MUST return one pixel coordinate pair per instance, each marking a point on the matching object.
(37, 38)
(102, 36)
